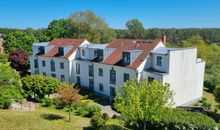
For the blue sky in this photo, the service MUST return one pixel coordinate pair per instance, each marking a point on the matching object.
(152, 13)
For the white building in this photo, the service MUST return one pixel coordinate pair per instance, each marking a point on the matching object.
(103, 67)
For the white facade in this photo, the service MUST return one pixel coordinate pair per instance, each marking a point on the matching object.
(178, 67)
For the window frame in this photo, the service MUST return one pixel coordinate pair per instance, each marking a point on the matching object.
(101, 72)
(126, 77)
(101, 87)
(112, 76)
(159, 61)
(77, 68)
(43, 63)
(61, 65)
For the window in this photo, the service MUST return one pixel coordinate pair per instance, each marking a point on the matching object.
(95, 53)
(41, 50)
(91, 84)
(36, 72)
(52, 65)
(100, 55)
(150, 79)
(101, 87)
(83, 52)
(78, 81)
(62, 78)
(53, 75)
(159, 61)
(112, 92)
(126, 77)
(44, 74)
(35, 63)
(77, 68)
(112, 76)
(100, 72)
(126, 58)
(91, 70)
(61, 65)
(43, 63)
(60, 51)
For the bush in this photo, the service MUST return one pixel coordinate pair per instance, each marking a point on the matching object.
(179, 119)
(86, 110)
(105, 116)
(46, 102)
(115, 116)
(205, 103)
(8, 95)
(97, 121)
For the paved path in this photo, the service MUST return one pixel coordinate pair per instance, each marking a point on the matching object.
(107, 109)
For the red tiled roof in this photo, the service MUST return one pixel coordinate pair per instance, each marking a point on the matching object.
(57, 42)
(128, 44)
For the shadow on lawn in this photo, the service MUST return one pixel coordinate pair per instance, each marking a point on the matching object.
(51, 117)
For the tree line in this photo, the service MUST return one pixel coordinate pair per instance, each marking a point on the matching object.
(94, 28)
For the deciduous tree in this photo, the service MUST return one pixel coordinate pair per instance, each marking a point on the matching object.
(135, 28)
(68, 95)
(143, 101)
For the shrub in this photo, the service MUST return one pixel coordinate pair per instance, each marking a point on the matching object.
(179, 119)
(105, 116)
(47, 102)
(86, 110)
(97, 121)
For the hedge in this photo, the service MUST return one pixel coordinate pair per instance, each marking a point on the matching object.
(178, 119)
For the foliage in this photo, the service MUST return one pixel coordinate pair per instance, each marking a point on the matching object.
(18, 40)
(8, 95)
(205, 103)
(143, 101)
(135, 29)
(8, 76)
(4, 56)
(68, 95)
(19, 61)
(179, 119)
(39, 85)
(97, 121)
(86, 110)
(92, 27)
(217, 93)
(47, 102)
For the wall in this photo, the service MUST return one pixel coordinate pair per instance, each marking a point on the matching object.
(47, 68)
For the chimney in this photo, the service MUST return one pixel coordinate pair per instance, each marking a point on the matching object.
(164, 38)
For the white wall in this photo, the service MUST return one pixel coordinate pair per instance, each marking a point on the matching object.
(105, 80)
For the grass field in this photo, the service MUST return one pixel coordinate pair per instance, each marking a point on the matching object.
(40, 120)
(211, 99)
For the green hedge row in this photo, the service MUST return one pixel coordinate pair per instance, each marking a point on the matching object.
(178, 119)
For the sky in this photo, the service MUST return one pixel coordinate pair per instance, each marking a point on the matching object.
(152, 13)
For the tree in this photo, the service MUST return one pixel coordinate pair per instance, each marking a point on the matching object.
(97, 121)
(68, 95)
(135, 28)
(39, 85)
(19, 61)
(18, 40)
(9, 85)
(59, 28)
(143, 102)
(92, 27)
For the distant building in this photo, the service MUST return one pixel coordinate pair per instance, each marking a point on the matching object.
(1, 43)
(104, 67)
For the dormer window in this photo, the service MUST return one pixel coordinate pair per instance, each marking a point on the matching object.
(159, 61)
(126, 58)
(83, 52)
(41, 50)
(100, 55)
(61, 51)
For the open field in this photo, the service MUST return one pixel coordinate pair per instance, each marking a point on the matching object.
(42, 119)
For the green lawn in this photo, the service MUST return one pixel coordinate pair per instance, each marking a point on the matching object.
(211, 99)
(34, 120)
